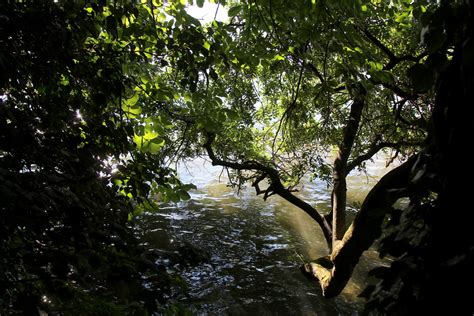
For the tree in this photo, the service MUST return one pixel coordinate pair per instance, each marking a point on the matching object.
(303, 77)
(283, 84)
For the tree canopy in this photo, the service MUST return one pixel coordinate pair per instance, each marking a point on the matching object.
(98, 101)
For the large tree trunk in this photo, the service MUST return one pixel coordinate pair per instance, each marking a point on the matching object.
(339, 196)
(338, 200)
(333, 272)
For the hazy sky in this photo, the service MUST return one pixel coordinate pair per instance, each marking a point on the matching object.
(207, 12)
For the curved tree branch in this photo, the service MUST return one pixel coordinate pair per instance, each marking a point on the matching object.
(277, 186)
(393, 60)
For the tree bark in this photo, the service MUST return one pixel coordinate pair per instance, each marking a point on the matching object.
(339, 195)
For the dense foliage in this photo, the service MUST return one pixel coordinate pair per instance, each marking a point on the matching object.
(71, 170)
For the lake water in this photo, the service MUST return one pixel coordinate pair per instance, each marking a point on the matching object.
(252, 249)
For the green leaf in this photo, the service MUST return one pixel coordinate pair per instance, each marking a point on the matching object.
(155, 145)
(278, 57)
(200, 3)
(138, 140)
(187, 97)
(166, 123)
(174, 197)
(132, 101)
(188, 187)
(132, 111)
(149, 135)
(382, 76)
(234, 11)
(130, 108)
(184, 195)
(375, 65)
(232, 115)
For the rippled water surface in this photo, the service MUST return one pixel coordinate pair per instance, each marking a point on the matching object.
(250, 250)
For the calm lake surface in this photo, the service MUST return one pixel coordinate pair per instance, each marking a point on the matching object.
(252, 249)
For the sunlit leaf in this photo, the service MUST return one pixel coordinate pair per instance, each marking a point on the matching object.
(278, 57)
(132, 101)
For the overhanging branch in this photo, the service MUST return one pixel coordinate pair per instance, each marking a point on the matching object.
(276, 186)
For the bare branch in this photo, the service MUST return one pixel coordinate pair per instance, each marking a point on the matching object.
(313, 68)
(374, 149)
(392, 63)
(397, 90)
(217, 9)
